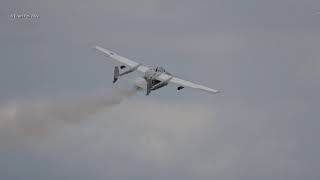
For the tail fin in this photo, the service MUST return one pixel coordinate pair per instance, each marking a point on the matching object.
(149, 86)
(116, 74)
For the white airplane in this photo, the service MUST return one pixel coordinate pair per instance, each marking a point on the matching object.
(153, 79)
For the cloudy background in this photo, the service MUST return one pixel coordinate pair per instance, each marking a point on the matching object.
(263, 55)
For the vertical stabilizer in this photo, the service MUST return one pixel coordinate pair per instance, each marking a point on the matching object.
(116, 74)
(149, 86)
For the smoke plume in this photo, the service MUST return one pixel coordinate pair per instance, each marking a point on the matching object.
(38, 117)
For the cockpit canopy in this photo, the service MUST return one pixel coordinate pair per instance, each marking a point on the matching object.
(154, 71)
(160, 69)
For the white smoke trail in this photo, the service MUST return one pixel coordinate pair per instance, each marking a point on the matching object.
(37, 117)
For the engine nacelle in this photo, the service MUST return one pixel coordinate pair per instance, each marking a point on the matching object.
(179, 88)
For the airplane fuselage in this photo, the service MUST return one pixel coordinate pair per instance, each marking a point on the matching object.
(150, 76)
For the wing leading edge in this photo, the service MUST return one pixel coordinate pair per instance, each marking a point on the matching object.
(184, 83)
(122, 60)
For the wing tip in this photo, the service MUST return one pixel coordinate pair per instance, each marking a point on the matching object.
(215, 91)
(97, 47)
(105, 51)
(209, 90)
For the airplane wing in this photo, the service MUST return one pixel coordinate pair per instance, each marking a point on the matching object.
(161, 77)
(184, 83)
(123, 60)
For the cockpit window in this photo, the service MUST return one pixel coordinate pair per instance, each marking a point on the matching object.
(160, 69)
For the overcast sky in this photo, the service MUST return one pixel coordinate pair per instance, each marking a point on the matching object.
(263, 55)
